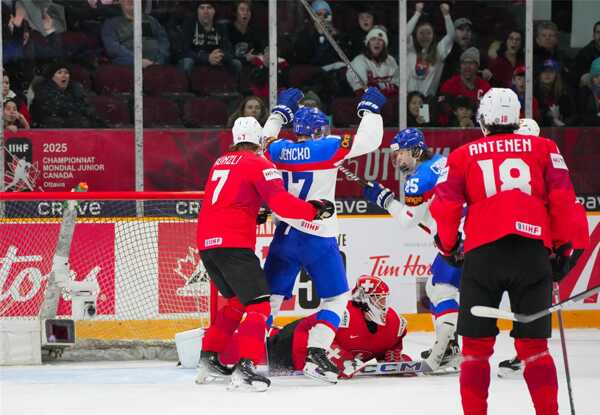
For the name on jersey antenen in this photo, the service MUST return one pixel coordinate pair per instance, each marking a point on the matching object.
(228, 160)
(295, 153)
(528, 228)
(213, 241)
(505, 145)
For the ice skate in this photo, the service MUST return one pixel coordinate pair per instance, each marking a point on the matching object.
(245, 377)
(450, 362)
(211, 369)
(511, 368)
(319, 367)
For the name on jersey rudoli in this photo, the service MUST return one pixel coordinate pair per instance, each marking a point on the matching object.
(228, 160)
(505, 145)
(295, 153)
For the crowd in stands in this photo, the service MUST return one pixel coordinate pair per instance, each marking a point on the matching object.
(69, 64)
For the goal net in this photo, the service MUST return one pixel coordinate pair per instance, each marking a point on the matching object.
(123, 266)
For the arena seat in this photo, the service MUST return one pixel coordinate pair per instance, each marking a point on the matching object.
(204, 112)
(160, 112)
(113, 110)
(344, 111)
(164, 79)
(111, 79)
(210, 80)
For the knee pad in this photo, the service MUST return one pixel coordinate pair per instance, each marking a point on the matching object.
(440, 292)
(332, 309)
(234, 309)
(529, 350)
(261, 308)
(478, 348)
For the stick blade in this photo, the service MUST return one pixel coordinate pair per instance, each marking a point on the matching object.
(491, 312)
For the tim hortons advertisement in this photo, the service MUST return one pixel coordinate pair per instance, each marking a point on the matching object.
(45, 160)
(27, 251)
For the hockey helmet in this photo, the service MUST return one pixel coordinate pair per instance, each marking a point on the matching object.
(373, 292)
(247, 130)
(528, 126)
(310, 122)
(499, 106)
(413, 140)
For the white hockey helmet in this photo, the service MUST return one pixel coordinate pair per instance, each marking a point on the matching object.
(247, 130)
(499, 106)
(528, 126)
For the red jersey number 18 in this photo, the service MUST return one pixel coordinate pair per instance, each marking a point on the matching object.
(514, 173)
(219, 176)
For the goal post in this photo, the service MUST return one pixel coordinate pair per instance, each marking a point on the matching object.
(126, 281)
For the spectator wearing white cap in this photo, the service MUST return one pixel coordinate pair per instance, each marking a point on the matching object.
(375, 66)
(425, 55)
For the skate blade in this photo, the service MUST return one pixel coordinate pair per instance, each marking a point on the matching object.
(205, 378)
(508, 373)
(240, 385)
(310, 370)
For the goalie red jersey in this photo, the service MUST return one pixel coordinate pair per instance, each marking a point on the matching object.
(523, 179)
(368, 329)
(238, 183)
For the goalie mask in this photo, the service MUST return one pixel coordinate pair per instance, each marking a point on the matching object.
(372, 292)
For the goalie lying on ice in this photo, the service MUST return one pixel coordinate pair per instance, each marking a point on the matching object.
(368, 329)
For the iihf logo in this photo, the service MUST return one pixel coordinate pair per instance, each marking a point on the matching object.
(21, 173)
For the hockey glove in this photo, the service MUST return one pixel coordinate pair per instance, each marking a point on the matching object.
(456, 256)
(371, 101)
(287, 104)
(378, 195)
(262, 216)
(325, 208)
(561, 260)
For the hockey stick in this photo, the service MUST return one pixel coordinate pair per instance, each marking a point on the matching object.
(332, 42)
(492, 312)
(563, 344)
(364, 183)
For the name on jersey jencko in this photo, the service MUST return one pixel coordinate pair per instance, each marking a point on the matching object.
(505, 145)
(295, 153)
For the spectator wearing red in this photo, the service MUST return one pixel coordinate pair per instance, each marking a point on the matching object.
(251, 106)
(245, 39)
(356, 36)
(13, 119)
(557, 108)
(467, 83)
(425, 55)
(259, 75)
(510, 55)
(589, 97)
(586, 56)
(19, 99)
(375, 66)
(518, 85)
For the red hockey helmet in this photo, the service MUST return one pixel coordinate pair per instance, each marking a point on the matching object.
(373, 292)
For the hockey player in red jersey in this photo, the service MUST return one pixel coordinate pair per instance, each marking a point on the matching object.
(238, 183)
(368, 329)
(520, 206)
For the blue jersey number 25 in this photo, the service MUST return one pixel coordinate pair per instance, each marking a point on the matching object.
(305, 178)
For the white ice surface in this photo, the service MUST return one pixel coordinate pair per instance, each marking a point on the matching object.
(149, 387)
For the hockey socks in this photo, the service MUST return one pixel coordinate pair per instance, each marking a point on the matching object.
(475, 374)
(250, 336)
(228, 319)
(540, 374)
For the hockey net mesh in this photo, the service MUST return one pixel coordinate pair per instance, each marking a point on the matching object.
(151, 281)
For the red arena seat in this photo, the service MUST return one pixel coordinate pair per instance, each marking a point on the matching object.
(204, 113)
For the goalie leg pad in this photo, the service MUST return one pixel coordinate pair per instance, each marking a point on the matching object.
(250, 335)
(475, 374)
(275, 301)
(228, 319)
(440, 292)
(540, 374)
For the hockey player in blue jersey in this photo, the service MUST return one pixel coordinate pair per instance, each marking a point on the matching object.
(309, 166)
(422, 169)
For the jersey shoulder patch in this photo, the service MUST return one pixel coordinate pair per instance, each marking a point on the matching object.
(558, 162)
(271, 174)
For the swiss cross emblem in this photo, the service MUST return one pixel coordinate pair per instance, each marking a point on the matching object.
(334, 353)
(367, 285)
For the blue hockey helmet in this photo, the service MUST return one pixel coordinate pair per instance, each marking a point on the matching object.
(310, 121)
(409, 138)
